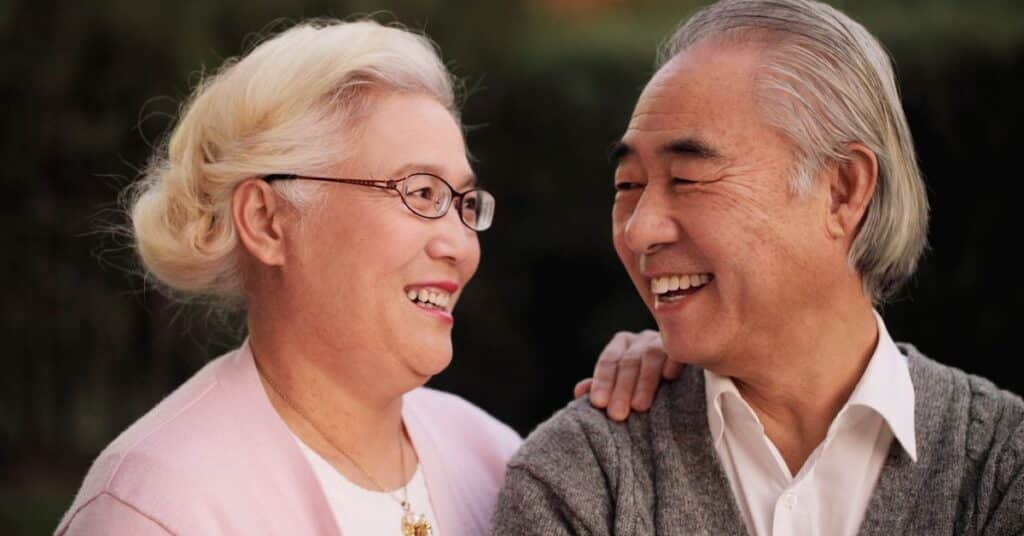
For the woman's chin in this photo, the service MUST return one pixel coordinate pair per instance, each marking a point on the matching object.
(429, 363)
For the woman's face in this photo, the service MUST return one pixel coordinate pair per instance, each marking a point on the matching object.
(362, 254)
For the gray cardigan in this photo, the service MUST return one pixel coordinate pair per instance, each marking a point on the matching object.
(657, 473)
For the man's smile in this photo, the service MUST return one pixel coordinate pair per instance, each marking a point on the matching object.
(675, 287)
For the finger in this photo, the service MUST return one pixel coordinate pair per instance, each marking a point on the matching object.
(625, 384)
(651, 334)
(651, 365)
(607, 368)
(605, 376)
(582, 388)
(648, 337)
(672, 369)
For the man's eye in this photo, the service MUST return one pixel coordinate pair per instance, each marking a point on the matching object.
(678, 180)
(626, 186)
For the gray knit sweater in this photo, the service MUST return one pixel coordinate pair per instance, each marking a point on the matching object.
(657, 473)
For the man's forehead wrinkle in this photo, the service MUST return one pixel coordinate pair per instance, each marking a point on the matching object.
(664, 120)
(656, 123)
(658, 113)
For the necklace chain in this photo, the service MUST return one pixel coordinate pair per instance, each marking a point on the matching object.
(403, 502)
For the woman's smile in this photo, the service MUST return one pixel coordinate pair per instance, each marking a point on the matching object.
(436, 298)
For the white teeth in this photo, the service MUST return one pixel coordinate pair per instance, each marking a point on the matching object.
(437, 298)
(661, 285)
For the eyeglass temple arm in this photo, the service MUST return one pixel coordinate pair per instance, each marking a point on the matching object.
(385, 185)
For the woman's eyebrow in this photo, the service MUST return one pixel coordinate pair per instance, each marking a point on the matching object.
(468, 183)
(465, 183)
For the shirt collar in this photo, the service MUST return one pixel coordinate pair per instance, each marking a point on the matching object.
(715, 389)
(885, 388)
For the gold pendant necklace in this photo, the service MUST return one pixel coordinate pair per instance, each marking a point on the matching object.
(412, 524)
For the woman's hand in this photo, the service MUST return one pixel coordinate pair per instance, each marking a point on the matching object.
(627, 374)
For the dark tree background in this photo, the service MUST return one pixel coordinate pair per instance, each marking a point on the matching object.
(89, 87)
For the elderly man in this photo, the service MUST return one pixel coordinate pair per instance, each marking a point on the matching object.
(767, 199)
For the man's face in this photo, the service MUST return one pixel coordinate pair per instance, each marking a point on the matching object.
(703, 201)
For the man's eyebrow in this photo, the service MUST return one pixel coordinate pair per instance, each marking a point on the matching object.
(618, 151)
(682, 147)
(690, 147)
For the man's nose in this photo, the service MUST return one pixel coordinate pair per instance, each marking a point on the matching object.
(652, 225)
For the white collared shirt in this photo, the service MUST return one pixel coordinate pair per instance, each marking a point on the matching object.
(830, 494)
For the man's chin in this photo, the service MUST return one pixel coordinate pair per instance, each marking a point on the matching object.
(687, 353)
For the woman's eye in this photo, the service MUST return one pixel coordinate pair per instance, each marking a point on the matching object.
(423, 193)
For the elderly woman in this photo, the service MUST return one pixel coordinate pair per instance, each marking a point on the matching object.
(322, 183)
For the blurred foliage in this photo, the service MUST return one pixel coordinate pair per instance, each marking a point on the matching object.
(91, 87)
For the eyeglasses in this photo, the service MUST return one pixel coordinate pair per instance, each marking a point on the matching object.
(426, 195)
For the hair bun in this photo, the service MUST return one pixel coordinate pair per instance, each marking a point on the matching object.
(186, 244)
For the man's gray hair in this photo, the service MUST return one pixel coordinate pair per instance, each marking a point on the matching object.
(826, 82)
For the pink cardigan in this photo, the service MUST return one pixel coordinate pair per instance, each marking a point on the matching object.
(215, 458)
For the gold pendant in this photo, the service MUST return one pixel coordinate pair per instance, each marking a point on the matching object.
(415, 525)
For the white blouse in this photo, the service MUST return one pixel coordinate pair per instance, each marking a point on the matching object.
(360, 511)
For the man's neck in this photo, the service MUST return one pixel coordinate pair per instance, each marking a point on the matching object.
(798, 395)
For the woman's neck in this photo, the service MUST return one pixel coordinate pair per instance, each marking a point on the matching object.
(329, 403)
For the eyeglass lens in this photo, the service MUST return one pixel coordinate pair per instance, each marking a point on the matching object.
(430, 197)
(426, 195)
(478, 209)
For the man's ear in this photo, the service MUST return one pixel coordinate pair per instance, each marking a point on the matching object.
(259, 216)
(851, 189)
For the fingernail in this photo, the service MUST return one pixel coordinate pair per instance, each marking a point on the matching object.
(639, 399)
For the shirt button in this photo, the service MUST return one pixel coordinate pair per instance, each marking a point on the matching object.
(789, 500)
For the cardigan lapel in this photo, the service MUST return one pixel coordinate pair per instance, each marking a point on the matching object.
(288, 486)
(902, 482)
(696, 481)
(438, 477)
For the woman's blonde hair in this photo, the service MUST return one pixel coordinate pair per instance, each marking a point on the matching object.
(826, 82)
(282, 108)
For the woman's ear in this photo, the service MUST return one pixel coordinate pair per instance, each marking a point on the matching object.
(851, 189)
(259, 216)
